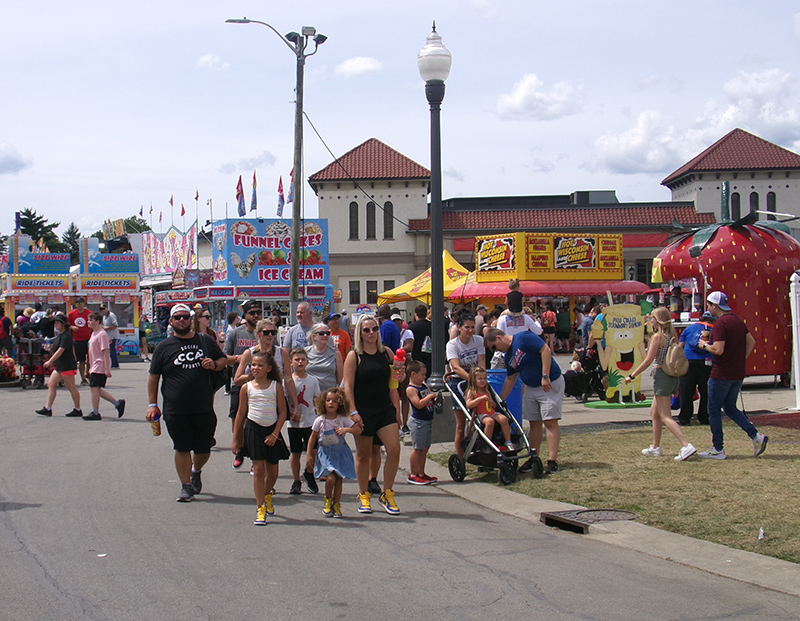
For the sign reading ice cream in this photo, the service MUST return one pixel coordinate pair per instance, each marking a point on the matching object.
(259, 252)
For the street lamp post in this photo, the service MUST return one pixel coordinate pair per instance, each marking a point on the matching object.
(433, 62)
(298, 44)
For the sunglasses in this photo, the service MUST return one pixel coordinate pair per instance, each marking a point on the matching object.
(181, 317)
(254, 312)
(269, 332)
(320, 333)
(205, 316)
(493, 347)
(372, 329)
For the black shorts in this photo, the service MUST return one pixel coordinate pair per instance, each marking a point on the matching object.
(81, 349)
(235, 390)
(378, 421)
(564, 336)
(191, 432)
(550, 330)
(298, 439)
(97, 380)
(254, 447)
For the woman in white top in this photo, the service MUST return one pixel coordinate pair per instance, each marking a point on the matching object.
(464, 352)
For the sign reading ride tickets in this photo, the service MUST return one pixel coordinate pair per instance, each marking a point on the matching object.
(258, 252)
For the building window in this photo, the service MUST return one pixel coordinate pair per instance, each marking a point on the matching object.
(370, 220)
(355, 292)
(736, 206)
(354, 221)
(753, 202)
(388, 284)
(644, 270)
(388, 221)
(372, 292)
(771, 205)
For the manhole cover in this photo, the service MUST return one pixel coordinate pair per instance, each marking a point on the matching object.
(578, 521)
(606, 515)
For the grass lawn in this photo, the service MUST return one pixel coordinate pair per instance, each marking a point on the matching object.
(725, 502)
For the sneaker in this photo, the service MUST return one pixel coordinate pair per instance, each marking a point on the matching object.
(364, 503)
(268, 504)
(238, 461)
(187, 493)
(652, 452)
(311, 482)
(92, 416)
(387, 502)
(44, 412)
(551, 467)
(760, 444)
(75, 413)
(337, 510)
(415, 479)
(429, 479)
(295, 487)
(713, 453)
(406, 429)
(196, 481)
(120, 408)
(261, 516)
(327, 510)
(527, 466)
(84, 382)
(510, 447)
(686, 452)
(373, 487)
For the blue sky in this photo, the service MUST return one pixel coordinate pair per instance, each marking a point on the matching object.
(110, 107)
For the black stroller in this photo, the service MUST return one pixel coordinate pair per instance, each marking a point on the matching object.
(482, 451)
(590, 381)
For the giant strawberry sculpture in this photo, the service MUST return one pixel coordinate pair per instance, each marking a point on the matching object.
(752, 263)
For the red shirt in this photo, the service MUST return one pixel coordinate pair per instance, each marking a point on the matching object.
(342, 340)
(731, 364)
(80, 319)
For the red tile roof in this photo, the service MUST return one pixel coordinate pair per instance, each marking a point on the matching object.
(371, 160)
(738, 150)
(642, 216)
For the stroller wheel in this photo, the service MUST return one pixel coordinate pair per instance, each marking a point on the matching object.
(538, 468)
(457, 467)
(507, 473)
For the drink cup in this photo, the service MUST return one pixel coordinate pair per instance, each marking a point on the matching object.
(705, 335)
(155, 425)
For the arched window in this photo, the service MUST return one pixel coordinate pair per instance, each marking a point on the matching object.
(354, 220)
(753, 202)
(388, 221)
(771, 205)
(736, 206)
(371, 221)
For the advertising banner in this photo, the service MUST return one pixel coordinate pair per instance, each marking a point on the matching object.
(109, 284)
(22, 261)
(163, 253)
(92, 261)
(39, 283)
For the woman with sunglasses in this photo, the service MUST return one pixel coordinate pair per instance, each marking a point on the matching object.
(367, 371)
(202, 323)
(464, 352)
(324, 362)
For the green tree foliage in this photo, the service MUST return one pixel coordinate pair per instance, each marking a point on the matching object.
(71, 239)
(37, 227)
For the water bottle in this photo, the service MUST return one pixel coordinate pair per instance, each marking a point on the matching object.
(155, 425)
(46, 344)
(399, 363)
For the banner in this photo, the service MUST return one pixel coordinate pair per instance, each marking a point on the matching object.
(163, 253)
(92, 261)
(22, 261)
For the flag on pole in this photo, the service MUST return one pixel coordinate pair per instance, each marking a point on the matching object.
(141, 211)
(240, 198)
(151, 209)
(160, 213)
(183, 210)
(253, 200)
(290, 197)
(281, 200)
(196, 194)
(170, 200)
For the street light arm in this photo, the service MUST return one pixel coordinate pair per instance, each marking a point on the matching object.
(272, 28)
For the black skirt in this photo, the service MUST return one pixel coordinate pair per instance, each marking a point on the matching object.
(254, 447)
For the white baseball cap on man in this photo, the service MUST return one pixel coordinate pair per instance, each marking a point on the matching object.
(719, 299)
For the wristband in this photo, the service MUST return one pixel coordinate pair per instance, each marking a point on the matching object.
(353, 412)
(153, 405)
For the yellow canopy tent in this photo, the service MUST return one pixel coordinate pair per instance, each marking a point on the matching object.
(420, 287)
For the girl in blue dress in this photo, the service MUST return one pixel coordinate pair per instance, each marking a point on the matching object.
(334, 458)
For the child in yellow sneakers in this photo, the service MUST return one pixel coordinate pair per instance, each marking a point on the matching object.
(334, 460)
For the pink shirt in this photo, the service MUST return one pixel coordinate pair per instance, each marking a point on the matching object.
(97, 343)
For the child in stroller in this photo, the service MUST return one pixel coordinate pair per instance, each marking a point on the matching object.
(585, 376)
(477, 398)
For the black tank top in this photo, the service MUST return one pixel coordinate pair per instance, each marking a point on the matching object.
(371, 385)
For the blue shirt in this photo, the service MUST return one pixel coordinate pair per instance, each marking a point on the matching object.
(390, 335)
(524, 357)
(690, 337)
(586, 328)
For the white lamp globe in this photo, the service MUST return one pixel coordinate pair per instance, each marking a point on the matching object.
(434, 60)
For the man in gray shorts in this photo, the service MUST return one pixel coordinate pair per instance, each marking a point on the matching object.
(527, 354)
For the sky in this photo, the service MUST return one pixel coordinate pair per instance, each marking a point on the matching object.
(106, 108)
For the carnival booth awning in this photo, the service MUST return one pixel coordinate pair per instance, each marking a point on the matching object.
(420, 287)
(469, 289)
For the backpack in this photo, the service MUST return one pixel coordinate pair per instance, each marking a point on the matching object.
(675, 363)
(547, 319)
(3, 333)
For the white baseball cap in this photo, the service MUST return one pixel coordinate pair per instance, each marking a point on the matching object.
(719, 299)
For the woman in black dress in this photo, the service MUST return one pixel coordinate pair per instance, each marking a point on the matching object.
(65, 368)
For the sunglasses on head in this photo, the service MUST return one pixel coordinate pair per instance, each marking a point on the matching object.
(372, 329)
(321, 333)
(269, 332)
(254, 312)
(205, 316)
(181, 317)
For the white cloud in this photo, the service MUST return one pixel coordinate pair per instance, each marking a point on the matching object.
(11, 162)
(249, 163)
(647, 147)
(529, 99)
(357, 66)
(212, 62)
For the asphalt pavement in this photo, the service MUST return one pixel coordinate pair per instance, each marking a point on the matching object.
(89, 529)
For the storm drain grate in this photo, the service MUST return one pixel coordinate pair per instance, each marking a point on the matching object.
(578, 521)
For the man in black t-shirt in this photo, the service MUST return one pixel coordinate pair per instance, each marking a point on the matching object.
(183, 361)
(421, 329)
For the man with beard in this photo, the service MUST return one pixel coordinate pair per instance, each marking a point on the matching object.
(237, 342)
(187, 395)
(297, 335)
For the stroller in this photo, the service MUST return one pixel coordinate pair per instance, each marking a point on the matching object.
(590, 382)
(482, 451)
(31, 358)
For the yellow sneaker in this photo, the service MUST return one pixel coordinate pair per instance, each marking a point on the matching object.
(364, 503)
(388, 503)
(261, 516)
(337, 510)
(268, 504)
(327, 510)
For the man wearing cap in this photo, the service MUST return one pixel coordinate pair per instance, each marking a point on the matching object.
(237, 341)
(81, 333)
(184, 360)
(731, 343)
(480, 319)
(110, 325)
(696, 378)
(390, 333)
(339, 337)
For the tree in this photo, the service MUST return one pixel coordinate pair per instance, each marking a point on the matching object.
(38, 228)
(71, 239)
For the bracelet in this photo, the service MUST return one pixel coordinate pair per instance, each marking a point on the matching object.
(353, 412)
(153, 405)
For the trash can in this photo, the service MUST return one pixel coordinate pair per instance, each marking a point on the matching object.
(497, 378)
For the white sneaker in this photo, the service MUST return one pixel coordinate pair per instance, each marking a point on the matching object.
(712, 453)
(686, 452)
(652, 452)
(759, 443)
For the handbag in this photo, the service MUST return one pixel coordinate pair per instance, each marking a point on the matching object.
(216, 379)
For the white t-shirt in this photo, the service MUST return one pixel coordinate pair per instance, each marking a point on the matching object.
(514, 325)
(466, 353)
(307, 389)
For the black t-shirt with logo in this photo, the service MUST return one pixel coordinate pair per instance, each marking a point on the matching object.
(184, 383)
